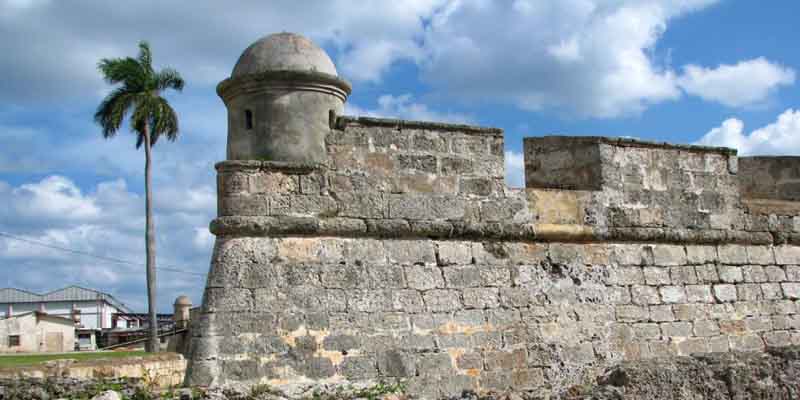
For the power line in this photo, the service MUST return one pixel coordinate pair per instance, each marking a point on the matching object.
(99, 257)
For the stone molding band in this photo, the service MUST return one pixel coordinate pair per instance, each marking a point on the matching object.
(256, 226)
(284, 80)
(275, 166)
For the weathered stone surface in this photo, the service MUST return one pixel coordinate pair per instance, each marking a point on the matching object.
(401, 254)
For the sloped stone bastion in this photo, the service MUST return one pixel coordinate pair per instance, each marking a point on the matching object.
(351, 250)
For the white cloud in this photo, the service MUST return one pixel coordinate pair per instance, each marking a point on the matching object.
(56, 45)
(590, 58)
(515, 169)
(746, 83)
(107, 221)
(593, 58)
(404, 107)
(55, 197)
(781, 137)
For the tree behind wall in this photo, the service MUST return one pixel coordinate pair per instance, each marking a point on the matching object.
(138, 94)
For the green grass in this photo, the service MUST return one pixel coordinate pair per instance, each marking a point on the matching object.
(33, 359)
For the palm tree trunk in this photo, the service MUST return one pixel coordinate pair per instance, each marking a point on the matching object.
(150, 246)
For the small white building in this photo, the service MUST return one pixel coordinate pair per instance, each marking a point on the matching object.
(90, 309)
(35, 332)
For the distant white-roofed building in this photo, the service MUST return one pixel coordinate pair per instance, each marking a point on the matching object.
(91, 309)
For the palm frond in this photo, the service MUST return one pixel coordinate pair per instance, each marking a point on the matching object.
(143, 114)
(146, 57)
(166, 120)
(111, 111)
(126, 70)
(169, 78)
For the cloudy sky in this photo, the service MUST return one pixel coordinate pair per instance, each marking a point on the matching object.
(685, 71)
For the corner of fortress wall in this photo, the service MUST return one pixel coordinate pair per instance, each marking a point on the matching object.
(405, 256)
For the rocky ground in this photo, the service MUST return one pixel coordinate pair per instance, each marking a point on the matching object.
(774, 374)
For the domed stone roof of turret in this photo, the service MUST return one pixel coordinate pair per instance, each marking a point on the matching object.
(283, 52)
(183, 301)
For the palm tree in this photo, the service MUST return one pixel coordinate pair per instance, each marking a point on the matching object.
(139, 94)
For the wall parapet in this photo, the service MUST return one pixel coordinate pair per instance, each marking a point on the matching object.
(770, 177)
(344, 120)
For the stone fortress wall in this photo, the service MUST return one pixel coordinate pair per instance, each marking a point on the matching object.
(400, 253)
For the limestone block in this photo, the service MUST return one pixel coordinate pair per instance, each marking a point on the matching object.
(626, 276)
(730, 273)
(744, 308)
(420, 343)
(358, 367)
(762, 255)
(669, 255)
(228, 299)
(684, 275)
(786, 322)
(791, 290)
(777, 339)
(657, 276)
(630, 254)
(746, 343)
(699, 294)
(506, 360)
(481, 298)
(527, 378)
(441, 300)
(718, 344)
(691, 312)
(698, 255)
(619, 295)
(676, 329)
(775, 273)
(781, 307)
(451, 253)
(434, 364)
(725, 293)
(706, 328)
(749, 292)
(754, 273)
(464, 276)
(792, 273)
(673, 294)
(424, 277)
(661, 313)
(692, 346)
(647, 330)
(503, 209)
(425, 207)
(771, 291)
(363, 205)
(644, 295)
(632, 313)
(495, 380)
(732, 254)
(785, 255)
(661, 348)
(522, 296)
(409, 251)
(558, 206)
(758, 324)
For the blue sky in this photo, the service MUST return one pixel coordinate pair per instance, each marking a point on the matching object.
(686, 71)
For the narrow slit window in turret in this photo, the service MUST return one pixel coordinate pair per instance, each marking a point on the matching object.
(248, 119)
